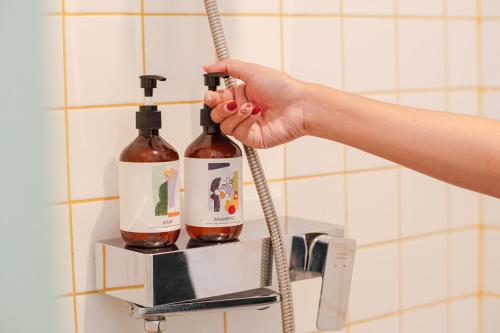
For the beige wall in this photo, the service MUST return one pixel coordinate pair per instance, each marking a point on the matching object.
(428, 252)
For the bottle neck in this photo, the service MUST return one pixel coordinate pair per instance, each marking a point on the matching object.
(211, 130)
(149, 132)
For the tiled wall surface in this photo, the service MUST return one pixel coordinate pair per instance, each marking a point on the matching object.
(428, 252)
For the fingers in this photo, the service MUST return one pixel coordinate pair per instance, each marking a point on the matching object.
(224, 110)
(229, 125)
(235, 68)
(213, 98)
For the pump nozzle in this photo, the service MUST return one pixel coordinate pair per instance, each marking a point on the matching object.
(148, 82)
(148, 117)
(212, 80)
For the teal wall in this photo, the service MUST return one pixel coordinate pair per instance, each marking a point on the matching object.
(24, 254)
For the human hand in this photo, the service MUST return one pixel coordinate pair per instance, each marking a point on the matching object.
(266, 110)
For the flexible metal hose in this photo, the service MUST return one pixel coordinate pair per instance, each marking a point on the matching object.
(266, 201)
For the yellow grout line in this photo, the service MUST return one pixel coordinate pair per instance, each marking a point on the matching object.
(224, 321)
(490, 294)
(489, 89)
(276, 14)
(345, 184)
(248, 183)
(399, 172)
(366, 92)
(490, 227)
(123, 105)
(480, 253)
(68, 169)
(417, 237)
(448, 188)
(103, 267)
(412, 309)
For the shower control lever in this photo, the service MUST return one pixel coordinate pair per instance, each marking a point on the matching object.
(332, 259)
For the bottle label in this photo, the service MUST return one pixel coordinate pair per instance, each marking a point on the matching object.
(149, 196)
(213, 192)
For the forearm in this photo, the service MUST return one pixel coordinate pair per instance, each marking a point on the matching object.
(458, 149)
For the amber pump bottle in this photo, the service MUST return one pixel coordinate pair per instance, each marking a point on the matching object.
(213, 180)
(149, 180)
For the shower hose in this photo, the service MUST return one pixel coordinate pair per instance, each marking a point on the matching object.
(276, 246)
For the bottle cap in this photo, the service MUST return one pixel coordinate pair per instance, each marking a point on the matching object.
(212, 81)
(148, 117)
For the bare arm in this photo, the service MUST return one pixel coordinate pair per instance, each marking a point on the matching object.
(271, 108)
(458, 149)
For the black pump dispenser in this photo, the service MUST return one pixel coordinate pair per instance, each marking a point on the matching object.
(212, 81)
(148, 117)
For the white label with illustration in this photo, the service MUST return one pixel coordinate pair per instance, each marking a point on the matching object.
(149, 196)
(213, 192)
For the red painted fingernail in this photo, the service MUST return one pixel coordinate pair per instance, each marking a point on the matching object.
(256, 110)
(231, 106)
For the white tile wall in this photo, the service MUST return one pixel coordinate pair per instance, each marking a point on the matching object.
(491, 104)
(491, 320)
(97, 138)
(372, 206)
(424, 270)
(174, 6)
(491, 266)
(462, 53)
(178, 40)
(389, 325)
(429, 320)
(375, 38)
(463, 316)
(491, 211)
(93, 308)
(92, 222)
(461, 8)
(463, 207)
(421, 53)
(490, 53)
(464, 102)
(423, 204)
(432, 100)
(254, 39)
(463, 262)
(318, 199)
(112, 6)
(104, 58)
(375, 283)
(490, 8)
(306, 56)
(311, 6)
(369, 7)
(252, 209)
(311, 156)
(422, 7)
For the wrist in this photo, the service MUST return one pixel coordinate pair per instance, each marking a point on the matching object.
(315, 109)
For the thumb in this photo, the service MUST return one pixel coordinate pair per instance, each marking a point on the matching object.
(235, 68)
